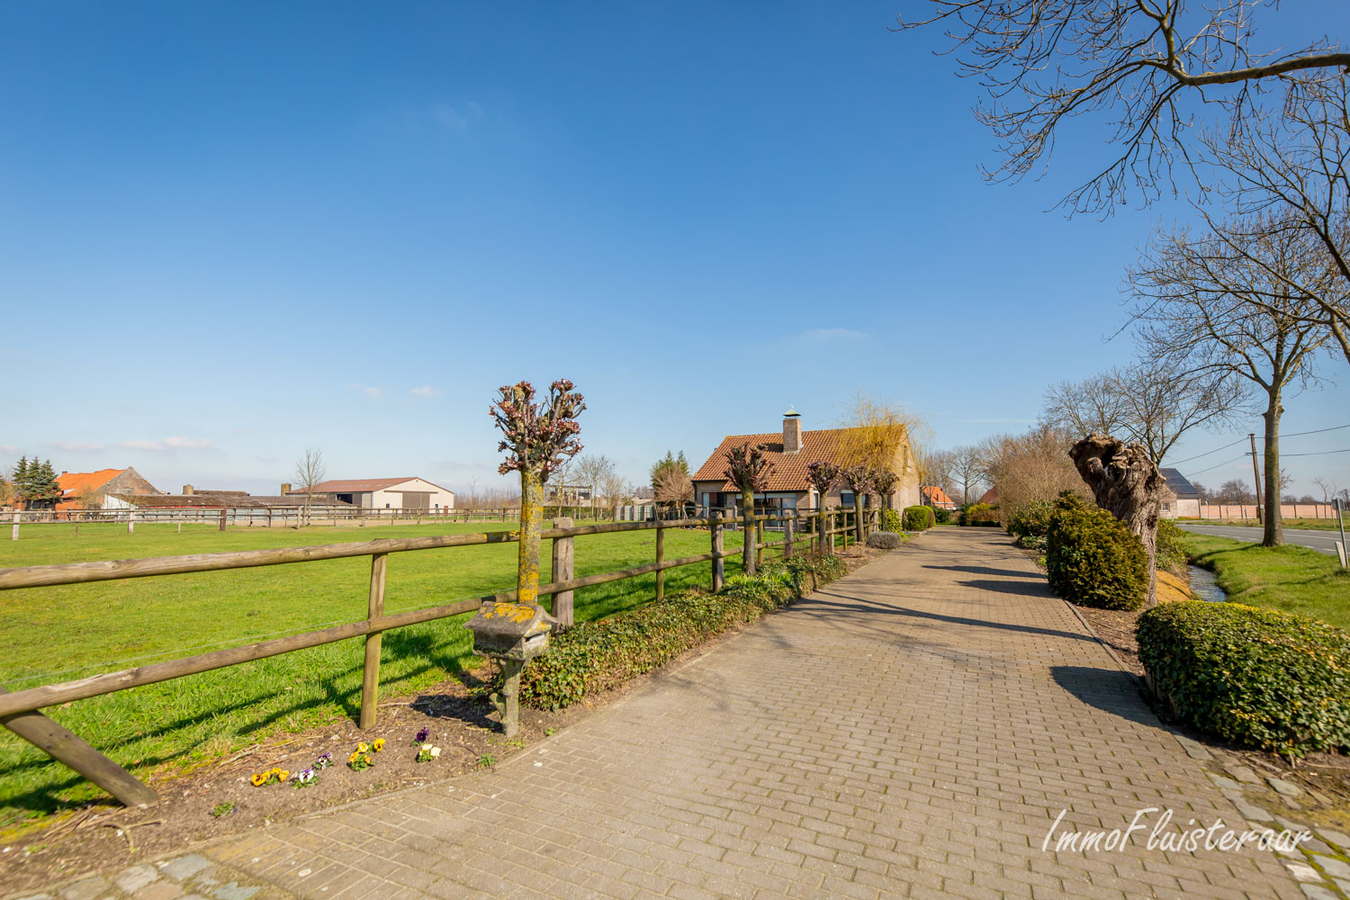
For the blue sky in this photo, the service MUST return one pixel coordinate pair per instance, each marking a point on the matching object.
(232, 231)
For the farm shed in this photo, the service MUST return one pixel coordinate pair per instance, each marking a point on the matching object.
(383, 493)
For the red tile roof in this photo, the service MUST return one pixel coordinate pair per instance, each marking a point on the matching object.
(935, 495)
(74, 482)
(789, 470)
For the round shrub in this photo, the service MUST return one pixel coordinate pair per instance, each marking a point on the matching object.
(917, 518)
(979, 514)
(1093, 560)
(1171, 547)
(1257, 677)
(941, 516)
(885, 540)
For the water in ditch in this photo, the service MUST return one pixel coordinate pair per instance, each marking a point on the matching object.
(1204, 587)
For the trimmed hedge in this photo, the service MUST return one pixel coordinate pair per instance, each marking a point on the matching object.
(595, 656)
(979, 514)
(918, 518)
(1257, 677)
(1092, 559)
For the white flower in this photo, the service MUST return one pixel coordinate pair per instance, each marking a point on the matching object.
(435, 752)
(426, 746)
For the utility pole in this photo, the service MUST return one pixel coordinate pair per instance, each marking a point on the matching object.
(1256, 474)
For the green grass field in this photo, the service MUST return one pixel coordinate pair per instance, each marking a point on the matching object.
(1301, 524)
(1288, 578)
(60, 633)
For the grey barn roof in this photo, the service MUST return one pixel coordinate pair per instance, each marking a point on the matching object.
(1178, 483)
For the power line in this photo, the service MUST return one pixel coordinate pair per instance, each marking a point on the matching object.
(1220, 465)
(1318, 431)
(1206, 453)
(1318, 453)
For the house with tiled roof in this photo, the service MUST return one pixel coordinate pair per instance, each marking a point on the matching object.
(1181, 500)
(791, 451)
(934, 496)
(92, 490)
(381, 493)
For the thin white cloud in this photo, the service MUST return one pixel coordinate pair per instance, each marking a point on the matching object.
(76, 446)
(427, 391)
(169, 443)
(368, 391)
(821, 335)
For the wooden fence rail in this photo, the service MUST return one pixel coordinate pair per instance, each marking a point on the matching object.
(19, 710)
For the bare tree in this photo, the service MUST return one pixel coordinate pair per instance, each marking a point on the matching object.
(1028, 467)
(1293, 168)
(1145, 65)
(1328, 487)
(1151, 403)
(594, 472)
(967, 470)
(673, 487)
(1210, 309)
(615, 488)
(310, 471)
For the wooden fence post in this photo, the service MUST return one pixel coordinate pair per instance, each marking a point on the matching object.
(222, 520)
(660, 558)
(131, 522)
(14, 534)
(718, 570)
(370, 681)
(787, 537)
(66, 747)
(759, 539)
(563, 564)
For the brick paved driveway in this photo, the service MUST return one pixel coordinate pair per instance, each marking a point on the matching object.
(911, 731)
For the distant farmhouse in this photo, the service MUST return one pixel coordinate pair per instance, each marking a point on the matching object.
(791, 451)
(97, 490)
(380, 493)
(1182, 500)
(936, 497)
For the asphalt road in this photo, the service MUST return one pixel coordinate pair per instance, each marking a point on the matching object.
(1321, 541)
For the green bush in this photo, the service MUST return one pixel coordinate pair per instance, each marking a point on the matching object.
(890, 521)
(942, 516)
(917, 518)
(979, 514)
(1257, 677)
(1030, 523)
(595, 656)
(1171, 547)
(1093, 560)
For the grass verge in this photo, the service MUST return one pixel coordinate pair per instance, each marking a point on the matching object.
(1291, 579)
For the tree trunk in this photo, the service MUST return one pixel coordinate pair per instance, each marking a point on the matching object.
(748, 526)
(1272, 534)
(858, 517)
(531, 527)
(1126, 483)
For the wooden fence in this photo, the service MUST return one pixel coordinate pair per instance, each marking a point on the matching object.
(20, 710)
(267, 517)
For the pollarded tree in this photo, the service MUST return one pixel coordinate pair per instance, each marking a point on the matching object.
(748, 468)
(824, 477)
(884, 482)
(857, 479)
(537, 438)
(1126, 483)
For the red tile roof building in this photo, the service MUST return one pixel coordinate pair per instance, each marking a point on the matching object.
(791, 451)
(80, 489)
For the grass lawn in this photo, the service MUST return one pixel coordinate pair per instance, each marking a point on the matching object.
(60, 633)
(1288, 578)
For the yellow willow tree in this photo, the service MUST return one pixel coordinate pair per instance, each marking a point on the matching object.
(883, 437)
(536, 439)
(749, 469)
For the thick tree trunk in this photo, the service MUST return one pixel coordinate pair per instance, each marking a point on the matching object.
(1126, 483)
(748, 526)
(1272, 534)
(531, 527)
(858, 517)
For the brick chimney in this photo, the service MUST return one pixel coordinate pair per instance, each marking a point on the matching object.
(187, 490)
(792, 431)
(285, 488)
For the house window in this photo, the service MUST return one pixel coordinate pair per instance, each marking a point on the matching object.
(386, 506)
(845, 499)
